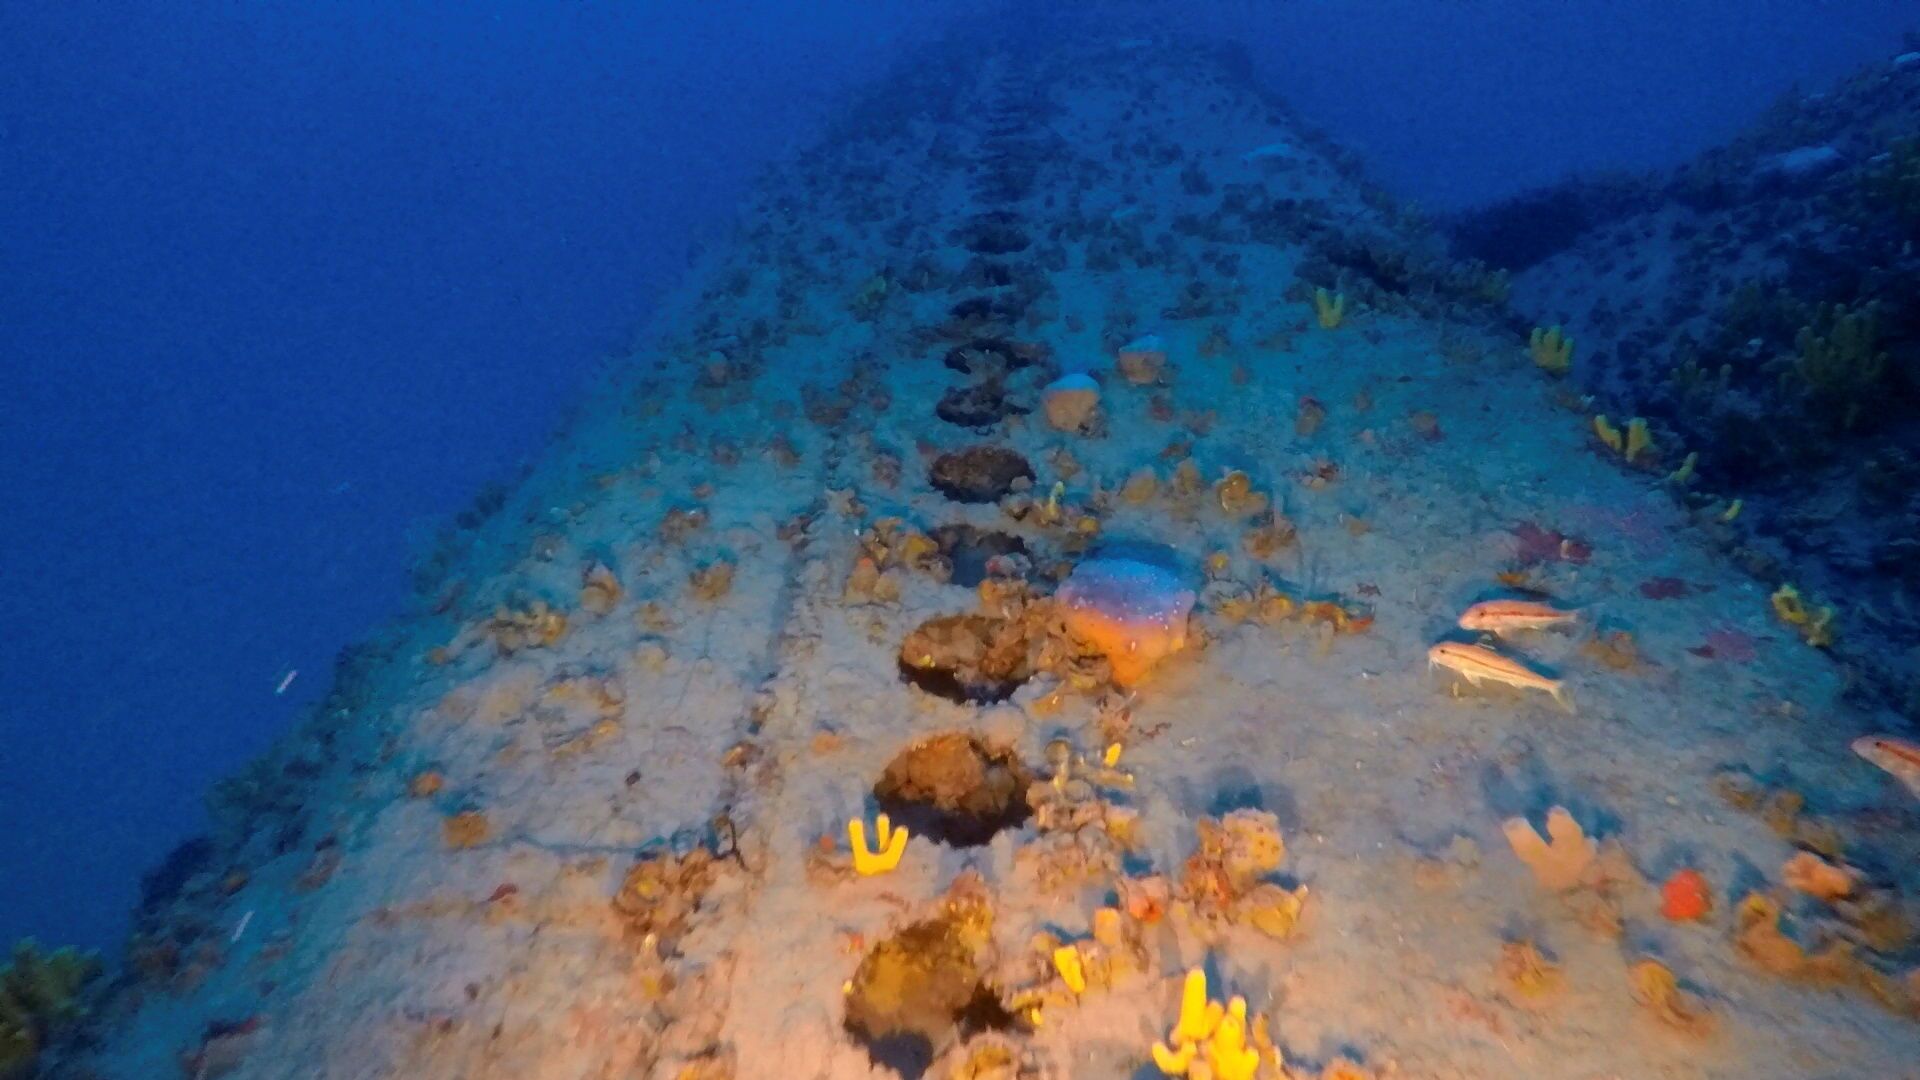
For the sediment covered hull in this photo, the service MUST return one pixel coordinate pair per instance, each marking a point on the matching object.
(584, 813)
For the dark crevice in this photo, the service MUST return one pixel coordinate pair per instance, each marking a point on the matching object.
(953, 789)
(979, 474)
(969, 659)
(970, 551)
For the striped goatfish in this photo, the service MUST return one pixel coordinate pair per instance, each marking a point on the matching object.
(1478, 664)
(1900, 757)
(1504, 616)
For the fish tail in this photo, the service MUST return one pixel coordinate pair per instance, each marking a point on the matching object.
(1560, 695)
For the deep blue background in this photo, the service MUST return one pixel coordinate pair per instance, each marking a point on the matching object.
(1454, 102)
(281, 284)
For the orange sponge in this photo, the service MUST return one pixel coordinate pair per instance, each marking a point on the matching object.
(1132, 612)
(1686, 897)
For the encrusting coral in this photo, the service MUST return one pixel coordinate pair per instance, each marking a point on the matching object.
(1223, 881)
(1056, 975)
(1657, 989)
(866, 303)
(990, 1055)
(1084, 834)
(535, 626)
(659, 894)
(1237, 497)
(1142, 360)
(1526, 972)
(469, 828)
(599, 590)
(713, 581)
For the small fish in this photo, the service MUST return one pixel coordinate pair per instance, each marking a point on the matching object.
(1477, 664)
(1901, 757)
(1502, 616)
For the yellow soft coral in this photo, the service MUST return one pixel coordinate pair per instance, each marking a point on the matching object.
(892, 845)
(1552, 350)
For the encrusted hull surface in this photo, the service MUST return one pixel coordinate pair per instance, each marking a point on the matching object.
(584, 812)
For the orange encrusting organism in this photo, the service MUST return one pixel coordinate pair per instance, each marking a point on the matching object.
(1686, 897)
(1132, 613)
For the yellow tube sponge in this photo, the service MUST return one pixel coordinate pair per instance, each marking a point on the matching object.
(1329, 308)
(1819, 629)
(1066, 960)
(1227, 1053)
(1174, 1062)
(1199, 1020)
(1788, 607)
(1552, 350)
(1684, 474)
(1198, 1016)
(1816, 627)
(1638, 440)
(892, 845)
(1609, 434)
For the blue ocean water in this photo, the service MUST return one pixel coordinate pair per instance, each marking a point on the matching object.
(284, 284)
